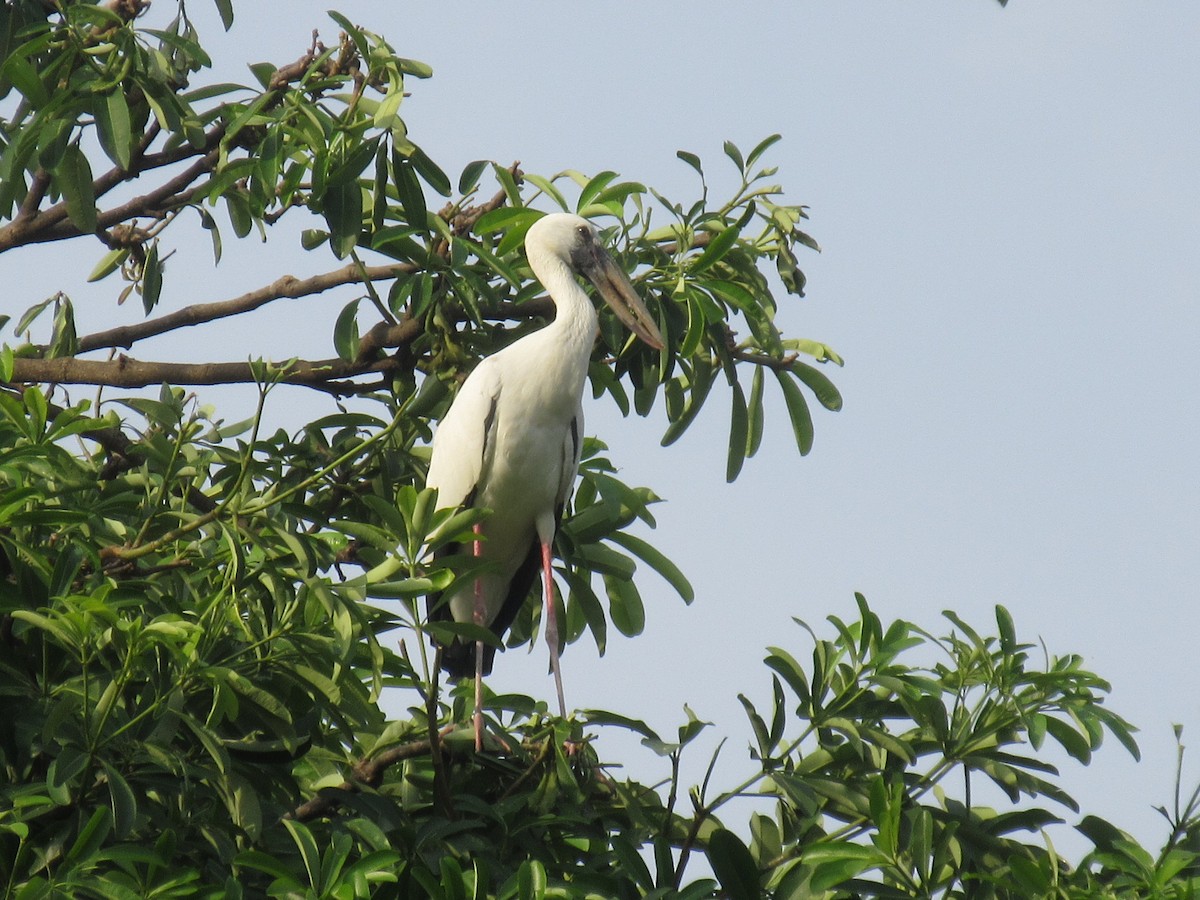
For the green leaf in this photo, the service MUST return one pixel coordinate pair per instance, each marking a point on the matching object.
(386, 113)
(109, 263)
(345, 331)
(225, 9)
(471, 174)
(430, 172)
(733, 865)
(721, 244)
(738, 429)
(786, 665)
(511, 189)
(1008, 633)
(151, 279)
(754, 409)
(735, 154)
(124, 802)
(113, 127)
(819, 384)
(692, 160)
(604, 717)
(548, 189)
(91, 837)
(1076, 744)
(836, 862)
(237, 205)
(73, 177)
(763, 145)
(531, 880)
(309, 851)
(659, 563)
(30, 315)
(584, 598)
(506, 217)
(625, 605)
(412, 198)
(593, 188)
(312, 238)
(702, 377)
(343, 208)
(802, 426)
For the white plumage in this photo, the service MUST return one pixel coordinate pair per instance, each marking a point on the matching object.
(511, 440)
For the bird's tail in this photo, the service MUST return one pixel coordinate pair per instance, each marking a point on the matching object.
(458, 659)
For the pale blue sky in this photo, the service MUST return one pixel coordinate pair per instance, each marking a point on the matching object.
(1009, 206)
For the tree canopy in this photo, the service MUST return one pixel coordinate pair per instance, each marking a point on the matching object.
(200, 619)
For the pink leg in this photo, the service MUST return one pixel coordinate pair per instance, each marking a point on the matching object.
(552, 627)
(477, 718)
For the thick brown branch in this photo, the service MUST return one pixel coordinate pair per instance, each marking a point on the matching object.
(287, 287)
(37, 192)
(54, 225)
(125, 371)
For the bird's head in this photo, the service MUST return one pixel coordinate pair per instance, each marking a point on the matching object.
(573, 239)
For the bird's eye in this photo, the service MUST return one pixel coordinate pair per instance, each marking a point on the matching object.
(584, 231)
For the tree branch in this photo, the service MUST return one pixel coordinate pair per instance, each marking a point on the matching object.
(36, 193)
(287, 287)
(366, 771)
(127, 372)
(54, 224)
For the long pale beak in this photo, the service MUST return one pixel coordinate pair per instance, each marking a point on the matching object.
(613, 284)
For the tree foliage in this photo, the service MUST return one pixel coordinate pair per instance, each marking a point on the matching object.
(199, 619)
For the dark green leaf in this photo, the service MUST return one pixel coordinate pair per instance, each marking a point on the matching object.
(342, 205)
(345, 331)
(604, 717)
(692, 160)
(471, 174)
(225, 8)
(506, 217)
(738, 427)
(819, 384)
(754, 410)
(653, 558)
(733, 865)
(801, 419)
(625, 605)
(735, 154)
(412, 198)
(124, 802)
(430, 172)
(593, 188)
(716, 249)
(761, 148)
(238, 207)
(73, 176)
(151, 279)
(113, 127)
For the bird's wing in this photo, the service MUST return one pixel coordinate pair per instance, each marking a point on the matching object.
(572, 450)
(460, 444)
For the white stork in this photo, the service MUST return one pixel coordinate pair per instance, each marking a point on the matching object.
(511, 440)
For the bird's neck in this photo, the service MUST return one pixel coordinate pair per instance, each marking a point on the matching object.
(575, 321)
